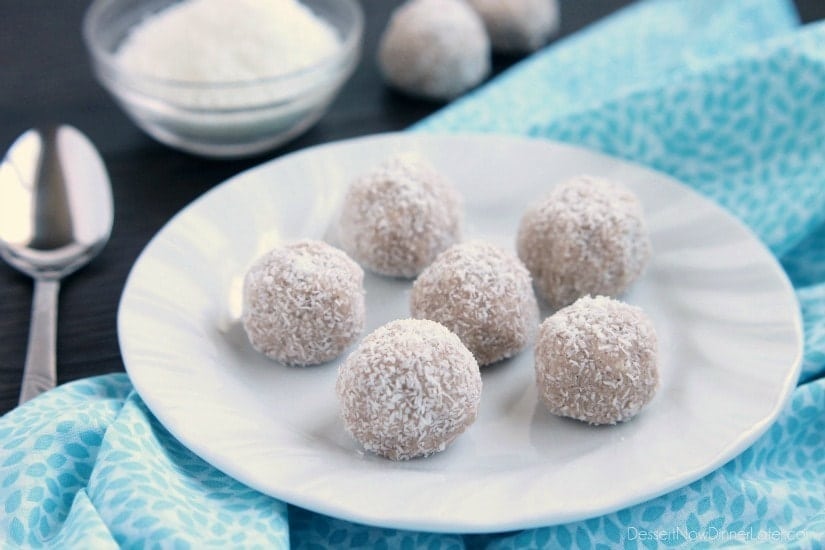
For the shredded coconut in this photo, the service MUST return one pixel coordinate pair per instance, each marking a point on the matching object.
(587, 237)
(436, 49)
(481, 293)
(518, 26)
(409, 389)
(209, 41)
(596, 361)
(303, 303)
(396, 219)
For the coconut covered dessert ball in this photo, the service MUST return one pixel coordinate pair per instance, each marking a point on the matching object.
(596, 361)
(481, 293)
(588, 236)
(436, 49)
(303, 303)
(396, 219)
(518, 26)
(409, 389)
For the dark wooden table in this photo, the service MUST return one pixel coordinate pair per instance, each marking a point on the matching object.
(45, 77)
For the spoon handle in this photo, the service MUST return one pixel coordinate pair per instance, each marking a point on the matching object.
(40, 372)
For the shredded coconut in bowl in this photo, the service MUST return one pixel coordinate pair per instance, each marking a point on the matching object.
(596, 361)
(303, 303)
(484, 295)
(409, 389)
(214, 41)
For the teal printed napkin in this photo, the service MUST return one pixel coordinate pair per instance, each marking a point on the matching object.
(729, 97)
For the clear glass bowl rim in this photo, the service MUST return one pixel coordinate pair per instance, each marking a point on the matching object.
(107, 63)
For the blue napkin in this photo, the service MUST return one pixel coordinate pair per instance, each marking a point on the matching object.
(729, 97)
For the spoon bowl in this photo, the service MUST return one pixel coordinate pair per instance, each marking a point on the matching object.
(56, 214)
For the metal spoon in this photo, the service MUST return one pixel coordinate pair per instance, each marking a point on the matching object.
(55, 215)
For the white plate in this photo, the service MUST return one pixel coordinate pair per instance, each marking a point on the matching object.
(727, 319)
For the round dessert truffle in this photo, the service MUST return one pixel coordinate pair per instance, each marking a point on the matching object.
(303, 303)
(518, 26)
(587, 237)
(396, 219)
(409, 389)
(436, 49)
(481, 293)
(596, 361)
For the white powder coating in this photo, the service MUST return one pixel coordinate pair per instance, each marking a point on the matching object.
(303, 303)
(436, 49)
(409, 389)
(587, 237)
(396, 219)
(481, 293)
(518, 26)
(596, 361)
(209, 41)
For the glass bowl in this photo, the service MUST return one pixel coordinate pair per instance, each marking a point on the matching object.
(226, 119)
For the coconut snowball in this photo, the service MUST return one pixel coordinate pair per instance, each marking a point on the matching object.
(481, 293)
(518, 26)
(396, 219)
(596, 361)
(409, 389)
(436, 49)
(587, 237)
(303, 303)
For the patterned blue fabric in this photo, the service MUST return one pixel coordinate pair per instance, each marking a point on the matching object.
(87, 466)
(726, 96)
(640, 47)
